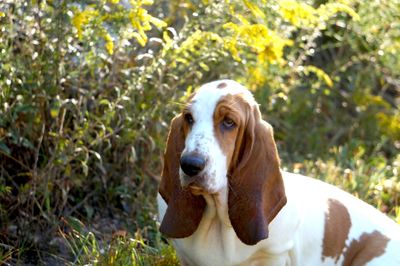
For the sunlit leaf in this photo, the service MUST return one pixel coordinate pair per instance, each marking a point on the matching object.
(109, 43)
(319, 73)
(254, 9)
(85, 168)
(81, 18)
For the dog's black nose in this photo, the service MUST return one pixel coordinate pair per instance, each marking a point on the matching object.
(192, 164)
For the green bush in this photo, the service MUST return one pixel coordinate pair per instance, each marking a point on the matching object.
(87, 90)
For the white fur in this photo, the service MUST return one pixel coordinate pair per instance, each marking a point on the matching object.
(201, 138)
(295, 235)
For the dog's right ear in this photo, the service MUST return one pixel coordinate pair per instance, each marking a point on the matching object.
(184, 210)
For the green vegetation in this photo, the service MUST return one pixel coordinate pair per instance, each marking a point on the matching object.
(87, 90)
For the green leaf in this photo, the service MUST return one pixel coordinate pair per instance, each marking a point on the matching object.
(4, 148)
(105, 102)
(75, 224)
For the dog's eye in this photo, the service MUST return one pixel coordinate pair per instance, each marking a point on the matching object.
(189, 119)
(228, 123)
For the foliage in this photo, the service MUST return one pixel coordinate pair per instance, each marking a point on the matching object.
(120, 250)
(87, 90)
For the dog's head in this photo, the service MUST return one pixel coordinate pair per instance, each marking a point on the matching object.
(220, 143)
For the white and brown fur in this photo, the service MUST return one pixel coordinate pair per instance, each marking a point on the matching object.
(241, 209)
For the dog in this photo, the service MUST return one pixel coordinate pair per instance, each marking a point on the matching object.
(223, 199)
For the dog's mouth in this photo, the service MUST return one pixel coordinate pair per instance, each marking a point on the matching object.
(196, 190)
(197, 185)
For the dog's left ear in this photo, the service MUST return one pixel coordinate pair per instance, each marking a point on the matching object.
(184, 210)
(256, 189)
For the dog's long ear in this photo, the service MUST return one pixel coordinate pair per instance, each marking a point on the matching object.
(256, 191)
(184, 210)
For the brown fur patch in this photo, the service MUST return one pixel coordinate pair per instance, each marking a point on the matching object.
(222, 85)
(367, 247)
(337, 228)
(256, 190)
(232, 107)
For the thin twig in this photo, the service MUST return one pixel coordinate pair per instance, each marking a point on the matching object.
(77, 206)
(37, 151)
(16, 160)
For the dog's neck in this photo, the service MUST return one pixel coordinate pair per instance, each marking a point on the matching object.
(217, 207)
(215, 222)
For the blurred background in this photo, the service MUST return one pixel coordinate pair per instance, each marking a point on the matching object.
(88, 88)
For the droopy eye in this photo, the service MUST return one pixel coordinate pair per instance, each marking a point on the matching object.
(228, 123)
(189, 119)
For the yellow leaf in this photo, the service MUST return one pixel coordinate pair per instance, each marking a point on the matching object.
(141, 21)
(230, 45)
(204, 66)
(158, 22)
(168, 43)
(299, 14)
(333, 8)
(166, 38)
(254, 9)
(109, 43)
(267, 44)
(242, 19)
(82, 18)
(231, 26)
(139, 38)
(257, 77)
(54, 112)
(319, 73)
(147, 2)
(2, 14)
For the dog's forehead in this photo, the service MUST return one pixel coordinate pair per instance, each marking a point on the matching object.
(207, 96)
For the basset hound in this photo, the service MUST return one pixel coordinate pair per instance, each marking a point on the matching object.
(224, 200)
